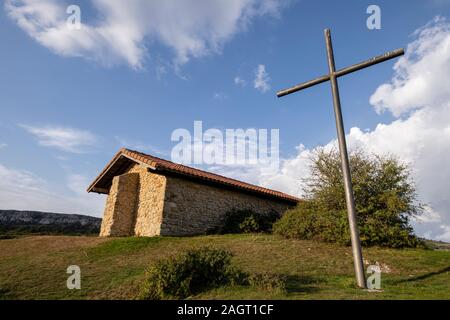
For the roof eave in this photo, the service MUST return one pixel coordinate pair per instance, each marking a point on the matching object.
(122, 153)
(153, 165)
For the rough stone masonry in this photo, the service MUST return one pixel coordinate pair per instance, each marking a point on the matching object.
(149, 196)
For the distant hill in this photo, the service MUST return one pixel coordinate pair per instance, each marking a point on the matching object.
(13, 222)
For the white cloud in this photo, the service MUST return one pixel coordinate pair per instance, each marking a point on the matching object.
(78, 183)
(445, 235)
(63, 138)
(161, 71)
(220, 96)
(22, 190)
(3, 145)
(139, 146)
(240, 82)
(421, 76)
(123, 29)
(262, 79)
(419, 95)
(21, 179)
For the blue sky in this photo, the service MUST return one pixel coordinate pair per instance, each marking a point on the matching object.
(137, 72)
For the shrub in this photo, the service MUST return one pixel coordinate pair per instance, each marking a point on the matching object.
(385, 201)
(190, 273)
(307, 222)
(5, 294)
(268, 281)
(248, 221)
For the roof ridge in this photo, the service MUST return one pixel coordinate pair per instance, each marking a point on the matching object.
(188, 167)
(223, 179)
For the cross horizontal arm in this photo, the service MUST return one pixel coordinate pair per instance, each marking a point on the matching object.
(343, 72)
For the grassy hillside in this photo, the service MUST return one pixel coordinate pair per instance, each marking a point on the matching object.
(35, 267)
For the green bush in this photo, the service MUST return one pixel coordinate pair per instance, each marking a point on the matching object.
(385, 201)
(190, 273)
(308, 222)
(271, 282)
(248, 221)
(6, 294)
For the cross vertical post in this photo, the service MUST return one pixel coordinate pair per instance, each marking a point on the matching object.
(349, 198)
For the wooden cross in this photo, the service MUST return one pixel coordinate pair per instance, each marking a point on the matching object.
(349, 198)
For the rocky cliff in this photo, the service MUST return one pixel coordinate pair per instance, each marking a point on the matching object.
(23, 222)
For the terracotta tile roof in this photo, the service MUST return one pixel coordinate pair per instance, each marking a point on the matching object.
(159, 164)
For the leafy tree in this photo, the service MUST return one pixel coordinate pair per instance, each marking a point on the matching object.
(385, 199)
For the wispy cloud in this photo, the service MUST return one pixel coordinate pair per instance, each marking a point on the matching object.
(220, 96)
(78, 183)
(240, 82)
(3, 145)
(63, 138)
(262, 79)
(121, 30)
(140, 146)
(23, 190)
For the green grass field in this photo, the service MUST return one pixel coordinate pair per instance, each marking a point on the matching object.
(35, 267)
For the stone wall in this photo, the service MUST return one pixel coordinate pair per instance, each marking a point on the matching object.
(135, 204)
(144, 203)
(149, 203)
(118, 218)
(192, 208)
